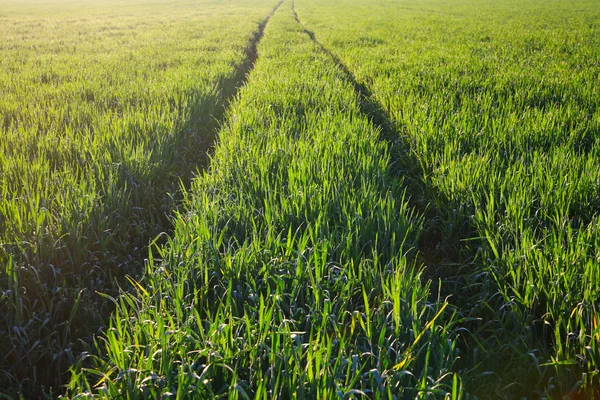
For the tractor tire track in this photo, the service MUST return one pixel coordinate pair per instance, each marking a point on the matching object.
(404, 165)
(196, 158)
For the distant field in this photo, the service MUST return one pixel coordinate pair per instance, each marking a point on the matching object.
(403, 200)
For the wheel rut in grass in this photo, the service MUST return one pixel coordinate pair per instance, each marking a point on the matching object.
(89, 311)
(403, 165)
(235, 84)
(251, 55)
(197, 162)
(231, 89)
(197, 158)
(442, 263)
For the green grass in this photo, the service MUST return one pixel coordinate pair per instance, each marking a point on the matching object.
(497, 103)
(104, 110)
(291, 270)
(402, 202)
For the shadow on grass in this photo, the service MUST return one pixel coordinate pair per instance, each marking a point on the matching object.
(50, 308)
(404, 167)
(448, 256)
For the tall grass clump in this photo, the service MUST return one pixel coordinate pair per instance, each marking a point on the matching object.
(104, 111)
(291, 271)
(497, 105)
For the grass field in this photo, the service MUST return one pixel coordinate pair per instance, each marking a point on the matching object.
(403, 200)
(104, 110)
(498, 105)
